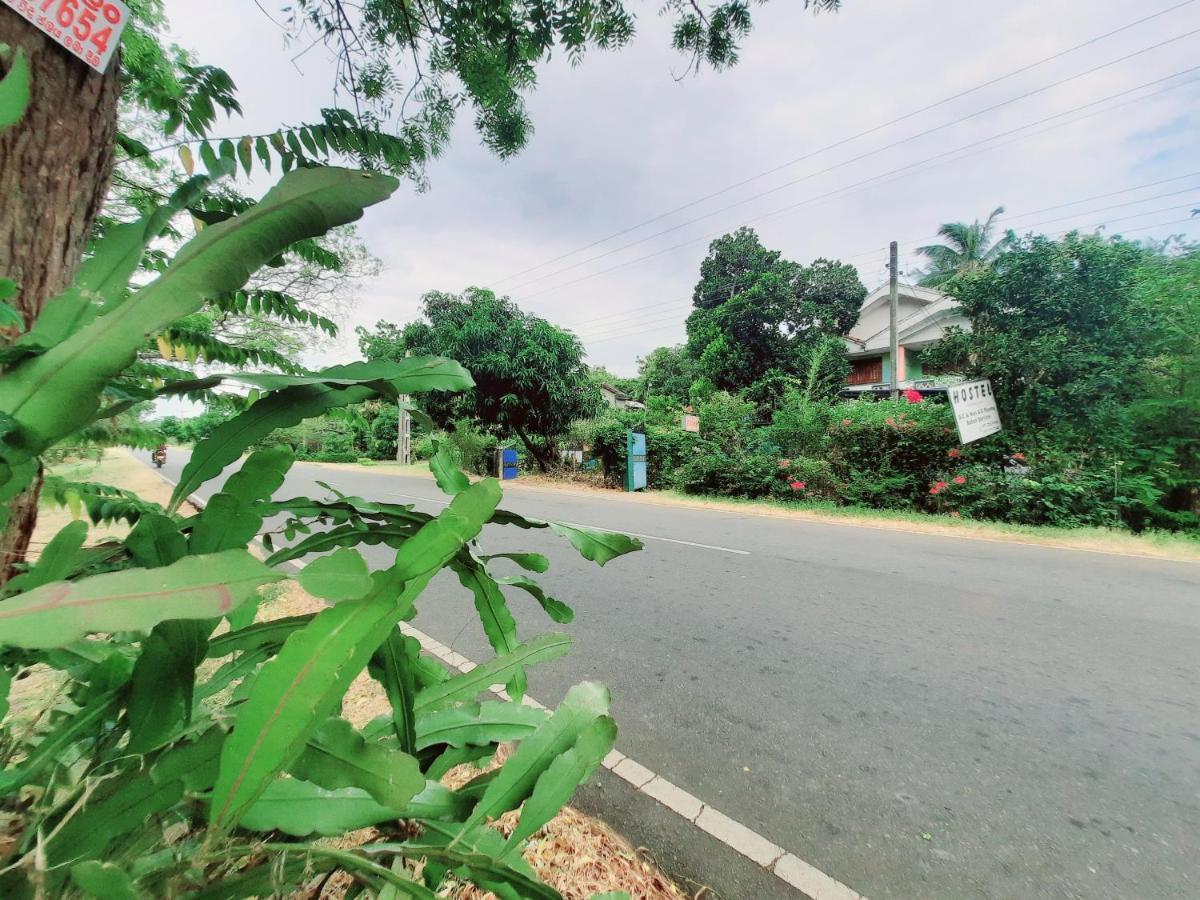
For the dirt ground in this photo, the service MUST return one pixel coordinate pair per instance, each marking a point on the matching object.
(576, 854)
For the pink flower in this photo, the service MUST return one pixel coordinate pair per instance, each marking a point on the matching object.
(935, 489)
(938, 487)
(960, 479)
(913, 396)
(784, 463)
(953, 452)
(890, 421)
(956, 514)
(845, 421)
(1019, 457)
(797, 485)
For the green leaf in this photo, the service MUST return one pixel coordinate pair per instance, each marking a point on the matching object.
(584, 704)
(164, 682)
(337, 756)
(263, 152)
(597, 546)
(14, 91)
(531, 562)
(300, 688)
(103, 881)
(555, 609)
(394, 666)
(52, 746)
(492, 722)
(262, 634)
(244, 154)
(498, 623)
(448, 476)
(479, 868)
(156, 541)
(225, 522)
(196, 587)
(55, 393)
(557, 784)
(343, 575)
(5, 687)
(468, 685)
(58, 559)
(310, 396)
(262, 474)
(300, 808)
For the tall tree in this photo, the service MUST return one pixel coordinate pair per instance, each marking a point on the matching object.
(530, 378)
(759, 316)
(967, 248)
(667, 372)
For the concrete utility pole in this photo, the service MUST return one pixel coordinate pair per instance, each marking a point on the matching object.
(404, 429)
(894, 288)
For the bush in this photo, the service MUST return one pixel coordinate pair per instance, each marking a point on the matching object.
(801, 426)
(474, 448)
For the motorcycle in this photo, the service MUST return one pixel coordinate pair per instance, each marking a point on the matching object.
(159, 457)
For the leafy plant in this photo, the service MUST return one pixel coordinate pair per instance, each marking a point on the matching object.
(192, 750)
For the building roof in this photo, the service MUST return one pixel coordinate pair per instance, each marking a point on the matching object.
(925, 323)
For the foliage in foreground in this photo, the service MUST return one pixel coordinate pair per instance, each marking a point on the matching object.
(190, 751)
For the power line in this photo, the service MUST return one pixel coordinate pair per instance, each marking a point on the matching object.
(854, 137)
(866, 181)
(602, 322)
(604, 335)
(859, 158)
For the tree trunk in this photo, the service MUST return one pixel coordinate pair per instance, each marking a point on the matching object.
(55, 165)
(537, 457)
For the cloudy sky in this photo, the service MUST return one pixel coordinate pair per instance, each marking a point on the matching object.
(1103, 134)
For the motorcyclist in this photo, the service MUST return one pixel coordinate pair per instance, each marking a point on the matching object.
(159, 456)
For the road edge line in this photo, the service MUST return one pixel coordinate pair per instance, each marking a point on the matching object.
(785, 866)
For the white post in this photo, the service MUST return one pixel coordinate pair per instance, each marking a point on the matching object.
(894, 287)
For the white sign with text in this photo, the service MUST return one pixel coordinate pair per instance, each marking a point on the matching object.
(89, 29)
(975, 410)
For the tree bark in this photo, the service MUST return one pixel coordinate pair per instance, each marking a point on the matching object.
(533, 451)
(55, 165)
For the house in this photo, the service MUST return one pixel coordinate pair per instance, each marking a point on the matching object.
(923, 316)
(618, 399)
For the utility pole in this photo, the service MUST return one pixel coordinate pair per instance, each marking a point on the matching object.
(404, 429)
(894, 291)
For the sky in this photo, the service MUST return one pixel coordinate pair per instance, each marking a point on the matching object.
(600, 224)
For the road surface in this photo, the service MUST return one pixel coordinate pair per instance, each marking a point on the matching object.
(917, 716)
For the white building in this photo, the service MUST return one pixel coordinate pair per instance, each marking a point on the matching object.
(924, 315)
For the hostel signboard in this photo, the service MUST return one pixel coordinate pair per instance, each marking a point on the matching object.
(975, 410)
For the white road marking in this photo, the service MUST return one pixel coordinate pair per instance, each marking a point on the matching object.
(649, 537)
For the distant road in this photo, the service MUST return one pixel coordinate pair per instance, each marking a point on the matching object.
(918, 716)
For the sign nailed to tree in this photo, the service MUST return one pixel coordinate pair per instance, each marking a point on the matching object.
(89, 29)
(975, 410)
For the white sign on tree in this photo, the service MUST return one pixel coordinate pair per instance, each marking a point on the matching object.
(975, 410)
(90, 29)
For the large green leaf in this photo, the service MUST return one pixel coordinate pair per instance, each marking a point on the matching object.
(481, 868)
(583, 705)
(394, 666)
(57, 392)
(300, 688)
(594, 544)
(336, 387)
(196, 587)
(491, 722)
(337, 756)
(225, 522)
(531, 562)
(446, 472)
(156, 541)
(164, 681)
(343, 575)
(300, 808)
(498, 623)
(270, 634)
(261, 474)
(557, 784)
(468, 685)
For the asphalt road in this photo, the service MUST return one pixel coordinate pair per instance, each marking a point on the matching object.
(918, 716)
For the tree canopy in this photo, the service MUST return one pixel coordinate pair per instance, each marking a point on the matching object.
(760, 316)
(967, 248)
(530, 378)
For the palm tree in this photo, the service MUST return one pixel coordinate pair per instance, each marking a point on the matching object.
(968, 248)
